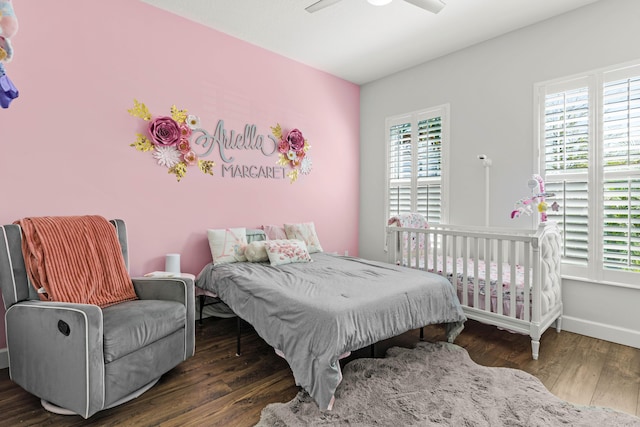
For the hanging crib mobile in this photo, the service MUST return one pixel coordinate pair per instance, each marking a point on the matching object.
(8, 28)
(535, 201)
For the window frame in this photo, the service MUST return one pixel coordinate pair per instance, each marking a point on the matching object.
(442, 111)
(594, 270)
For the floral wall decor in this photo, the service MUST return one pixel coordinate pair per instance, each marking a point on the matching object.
(173, 140)
(169, 140)
(293, 149)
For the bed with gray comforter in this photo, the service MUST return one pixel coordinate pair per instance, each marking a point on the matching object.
(315, 312)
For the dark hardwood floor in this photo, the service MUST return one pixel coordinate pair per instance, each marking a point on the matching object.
(217, 388)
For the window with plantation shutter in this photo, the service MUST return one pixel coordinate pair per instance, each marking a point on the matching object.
(621, 125)
(621, 245)
(566, 166)
(415, 159)
(572, 217)
(590, 155)
(429, 202)
(621, 172)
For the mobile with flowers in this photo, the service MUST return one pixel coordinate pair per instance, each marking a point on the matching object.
(536, 201)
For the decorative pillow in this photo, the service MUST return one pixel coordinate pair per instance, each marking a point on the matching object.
(227, 245)
(282, 252)
(255, 234)
(274, 232)
(256, 251)
(305, 232)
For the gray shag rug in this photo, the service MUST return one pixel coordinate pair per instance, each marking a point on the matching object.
(437, 384)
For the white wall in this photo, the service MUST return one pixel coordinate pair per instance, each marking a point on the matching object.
(489, 87)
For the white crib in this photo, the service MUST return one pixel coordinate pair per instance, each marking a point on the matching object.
(476, 256)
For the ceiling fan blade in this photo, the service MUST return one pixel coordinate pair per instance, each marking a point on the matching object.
(320, 4)
(433, 6)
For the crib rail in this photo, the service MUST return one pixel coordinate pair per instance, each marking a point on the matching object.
(486, 262)
(466, 256)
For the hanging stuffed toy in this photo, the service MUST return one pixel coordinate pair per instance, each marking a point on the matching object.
(526, 205)
(8, 28)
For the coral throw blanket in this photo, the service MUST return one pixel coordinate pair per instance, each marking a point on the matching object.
(75, 259)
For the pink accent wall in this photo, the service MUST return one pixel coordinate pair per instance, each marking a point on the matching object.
(65, 140)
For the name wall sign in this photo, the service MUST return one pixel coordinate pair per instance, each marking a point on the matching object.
(248, 140)
(178, 142)
(221, 142)
(244, 171)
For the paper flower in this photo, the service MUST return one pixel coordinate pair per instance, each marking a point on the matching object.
(164, 131)
(169, 140)
(305, 166)
(193, 122)
(293, 151)
(184, 146)
(167, 156)
(283, 146)
(190, 158)
(185, 131)
(295, 140)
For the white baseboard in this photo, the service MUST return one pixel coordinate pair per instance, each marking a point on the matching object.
(4, 358)
(601, 331)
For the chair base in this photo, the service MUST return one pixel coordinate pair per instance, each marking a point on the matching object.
(63, 411)
(55, 408)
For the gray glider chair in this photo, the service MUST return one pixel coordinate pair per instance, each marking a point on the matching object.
(81, 359)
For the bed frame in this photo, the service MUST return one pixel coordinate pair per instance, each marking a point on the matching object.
(535, 252)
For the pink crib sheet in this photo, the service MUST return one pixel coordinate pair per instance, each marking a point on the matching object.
(493, 274)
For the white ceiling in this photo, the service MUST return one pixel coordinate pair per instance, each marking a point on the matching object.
(360, 42)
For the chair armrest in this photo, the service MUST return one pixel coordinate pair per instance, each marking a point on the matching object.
(56, 353)
(180, 289)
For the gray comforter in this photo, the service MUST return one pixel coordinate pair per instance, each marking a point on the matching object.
(315, 312)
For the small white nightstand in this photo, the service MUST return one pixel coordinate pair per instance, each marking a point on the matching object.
(168, 274)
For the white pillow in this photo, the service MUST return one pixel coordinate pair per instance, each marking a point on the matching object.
(227, 245)
(305, 232)
(274, 232)
(256, 251)
(282, 252)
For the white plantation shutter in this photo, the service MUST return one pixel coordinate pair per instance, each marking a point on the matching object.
(566, 160)
(415, 163)
(590, 156)
(621, 245)
(399, 200)
(429, 188)
(621, 125)
(429, 147)
(400, 169)
(566, 131)
(621, 172)
(572, 218)
(429, 202)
